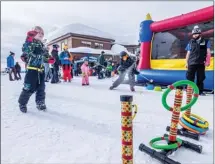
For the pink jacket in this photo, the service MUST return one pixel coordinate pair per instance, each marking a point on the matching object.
(85, 69)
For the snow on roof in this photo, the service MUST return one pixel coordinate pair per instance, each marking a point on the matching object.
(89, 50)
(78, 28)
(115, 50)
(118, 48)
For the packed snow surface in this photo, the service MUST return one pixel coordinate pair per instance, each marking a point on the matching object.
(83, 124)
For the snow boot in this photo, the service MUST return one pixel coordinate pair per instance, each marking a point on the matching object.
(111, 88)
(23, 108)
(132, 89)
(41, 105)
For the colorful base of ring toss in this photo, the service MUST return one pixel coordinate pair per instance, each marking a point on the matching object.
(165, 147)
(173, 143)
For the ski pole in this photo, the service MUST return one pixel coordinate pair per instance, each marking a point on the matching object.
(151, 81)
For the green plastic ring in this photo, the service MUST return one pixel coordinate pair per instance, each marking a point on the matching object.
(176, 84)
(165, 147)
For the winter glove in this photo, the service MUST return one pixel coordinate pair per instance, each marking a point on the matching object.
(208, 58)
(136, 72)
(24, 58)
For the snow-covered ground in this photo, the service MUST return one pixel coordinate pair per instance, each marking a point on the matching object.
(83, 125)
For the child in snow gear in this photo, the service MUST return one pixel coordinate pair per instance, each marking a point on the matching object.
(18, 70)
(127, 65)
(85, 72)
(198, 56)
(11, 66)
(35, 77)
(56, 64)
(66, 64)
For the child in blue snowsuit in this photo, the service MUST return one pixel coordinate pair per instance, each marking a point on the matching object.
(34, 53)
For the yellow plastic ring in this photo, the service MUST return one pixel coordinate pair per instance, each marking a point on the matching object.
(204, 123)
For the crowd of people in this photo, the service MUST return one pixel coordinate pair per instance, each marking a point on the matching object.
(37, 64)
(13, 68)
(37, 61)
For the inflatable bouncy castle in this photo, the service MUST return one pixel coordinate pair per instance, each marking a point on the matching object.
(163, 44)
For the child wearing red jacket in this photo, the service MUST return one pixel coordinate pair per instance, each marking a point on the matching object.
(85, 73)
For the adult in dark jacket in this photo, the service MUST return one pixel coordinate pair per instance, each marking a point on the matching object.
(54, 53)
(101, 62)
(18, 70)
(11, 66)
(198, 56)
(127, 65)
(101, 58)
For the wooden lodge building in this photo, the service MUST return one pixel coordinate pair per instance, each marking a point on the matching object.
(74, 40)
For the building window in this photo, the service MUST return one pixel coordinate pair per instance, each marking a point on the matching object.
(172, 44)
(66, 41)
(62, 45)
(86, 44)
(98, 46)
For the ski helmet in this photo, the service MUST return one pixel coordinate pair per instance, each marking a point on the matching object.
(123, 53)
(196, 30)
(102, 52)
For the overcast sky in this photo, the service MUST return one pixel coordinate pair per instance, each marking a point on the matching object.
(121, 19)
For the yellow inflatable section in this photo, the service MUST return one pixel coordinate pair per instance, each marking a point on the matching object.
(174, 64)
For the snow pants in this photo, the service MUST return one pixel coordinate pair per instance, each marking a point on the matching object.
(55, 78)
(199, 71)
(85, 79)
(66, 72)
(12, 70)
(121, 78)
(34, 82)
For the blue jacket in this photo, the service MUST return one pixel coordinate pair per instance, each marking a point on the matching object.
(65, 54)
(10, 61)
